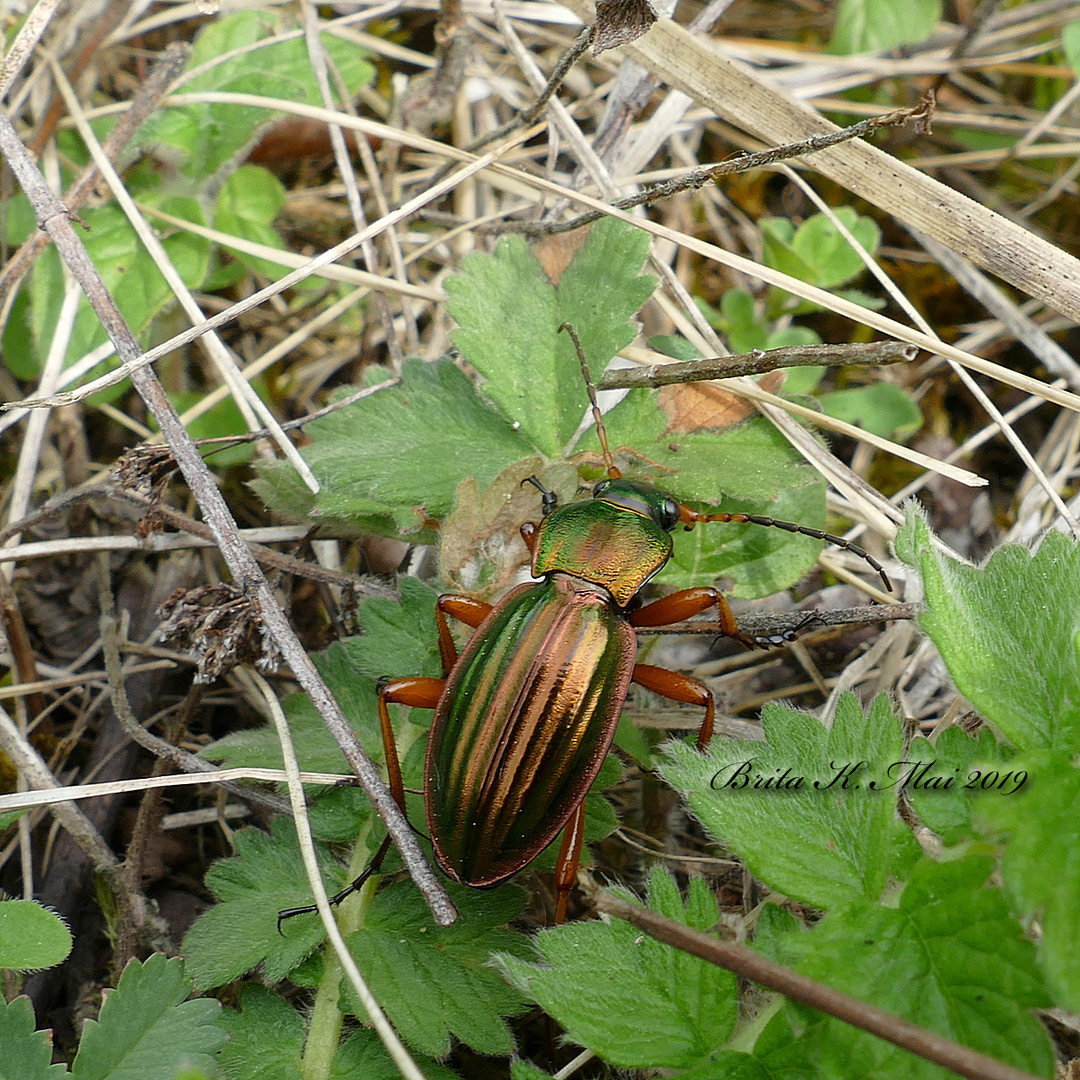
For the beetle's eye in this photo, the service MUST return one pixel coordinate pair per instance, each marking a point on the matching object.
(669, 514)
(600, 488)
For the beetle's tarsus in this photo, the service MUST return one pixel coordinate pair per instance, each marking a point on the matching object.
(353, 886)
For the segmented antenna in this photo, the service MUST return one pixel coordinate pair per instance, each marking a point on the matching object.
(690, 518)
(601, 433)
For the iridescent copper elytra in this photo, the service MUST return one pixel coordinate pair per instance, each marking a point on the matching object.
(526, 714)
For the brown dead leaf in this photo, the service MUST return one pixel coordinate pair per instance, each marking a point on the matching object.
(557, 252)
(694, 406)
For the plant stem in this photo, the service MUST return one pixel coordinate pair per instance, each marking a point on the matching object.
(324, 1031)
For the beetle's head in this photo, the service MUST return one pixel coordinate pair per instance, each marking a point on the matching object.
(640, 498)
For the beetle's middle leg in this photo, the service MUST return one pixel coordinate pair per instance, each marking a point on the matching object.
(681, 688)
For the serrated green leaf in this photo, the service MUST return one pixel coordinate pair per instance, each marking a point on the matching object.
(363, 1057)
(146, 1030)
(1041, 863)
(31, 936)
(266, 1037)
(873, 25)
(510, 312)
(398, 639)
(433, 981)
(210, 137)
(947, 809)
(881, 408)
(420, 439)
(1009, 632)
(524, 1070)
(240, 932)
(955, 963)
(26, 1052)
(805, 834)
(635, 1002)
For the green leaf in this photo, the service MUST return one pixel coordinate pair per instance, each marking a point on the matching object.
(874, 25)
(510, 312)
(953, 962)
(1009, 632)
(247, 205)
(363, 1057)
(741, 323)
(420, 439)
(209, 138)
(27, 1052)
(146, 1030)
(128, 272)
(524, 1070)
(806, 834)
(398, 639)
(881, 408)
(817, 252)
(632, 1000)
(947, 809)
(434, 981)
(31, 936)
(1070, 43)
(1041, 863)
(266, 1037)
(240, 932)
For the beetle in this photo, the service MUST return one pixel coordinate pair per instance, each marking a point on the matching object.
(526, 713)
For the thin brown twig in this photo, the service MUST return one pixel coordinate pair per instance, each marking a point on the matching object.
(771, 623)
(744, 162)
(53, 217)
(758, 362)
(748, 964)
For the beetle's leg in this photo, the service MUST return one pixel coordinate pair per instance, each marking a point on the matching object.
(683, 688)
(528, 534)
(566, 865)
(685, 604)
(420, 693)
(463, 608)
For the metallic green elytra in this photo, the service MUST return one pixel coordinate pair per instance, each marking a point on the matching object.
(530, 708)
(523, 726)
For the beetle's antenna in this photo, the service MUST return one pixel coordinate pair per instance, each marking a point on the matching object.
(601, 433)
(690, 518)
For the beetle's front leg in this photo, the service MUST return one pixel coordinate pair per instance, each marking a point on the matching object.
(463, 608)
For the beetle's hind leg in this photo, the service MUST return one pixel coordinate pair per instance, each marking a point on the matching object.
(420, 693)
(566, 865)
